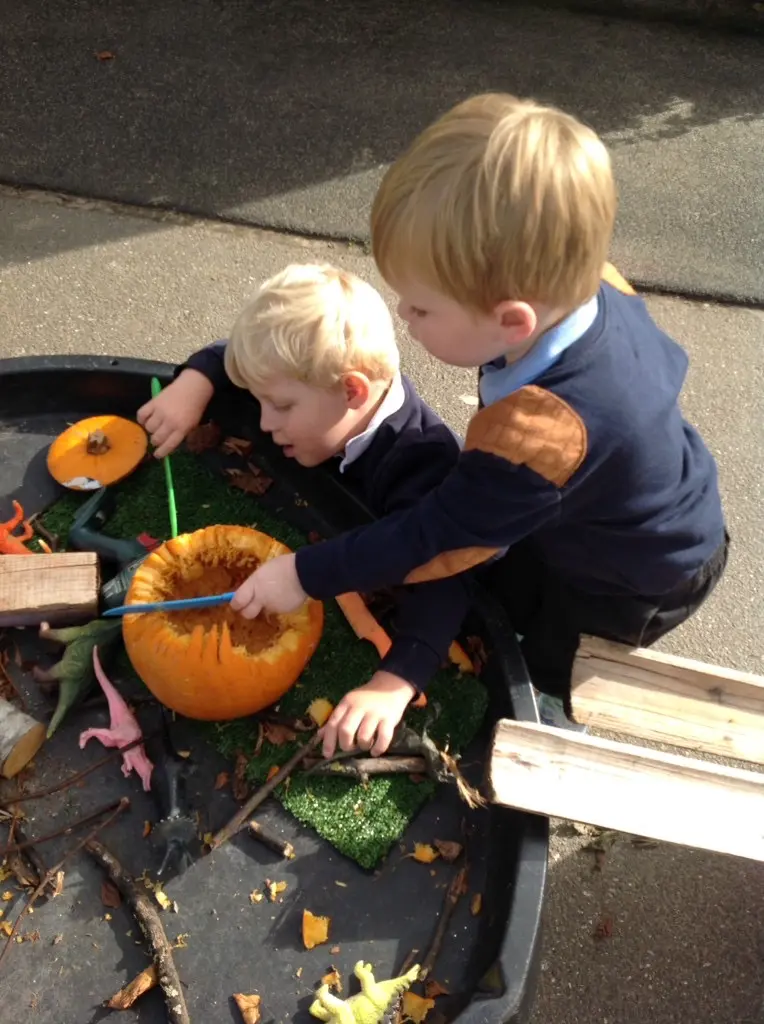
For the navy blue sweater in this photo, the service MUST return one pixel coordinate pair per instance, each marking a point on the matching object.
(594, 459)
(411, 452)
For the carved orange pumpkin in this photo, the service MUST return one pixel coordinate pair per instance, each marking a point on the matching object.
(211, 663)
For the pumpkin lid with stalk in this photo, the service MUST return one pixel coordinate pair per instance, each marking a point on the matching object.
(96, 452)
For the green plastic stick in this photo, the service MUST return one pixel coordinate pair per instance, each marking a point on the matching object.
(156, 387)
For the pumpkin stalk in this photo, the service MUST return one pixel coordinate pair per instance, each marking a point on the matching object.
(97, 443)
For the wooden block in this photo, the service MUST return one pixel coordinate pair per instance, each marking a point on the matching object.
(627, 788)
(61, 589)
(20, 738)
(668, 699)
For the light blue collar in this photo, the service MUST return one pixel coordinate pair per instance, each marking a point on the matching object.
(500, 378)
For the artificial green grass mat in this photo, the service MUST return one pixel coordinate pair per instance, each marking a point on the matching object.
(362, 822)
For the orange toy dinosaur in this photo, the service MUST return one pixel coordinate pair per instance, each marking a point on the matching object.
(14, 545)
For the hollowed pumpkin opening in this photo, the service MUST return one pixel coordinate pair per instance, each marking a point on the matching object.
(212, 663)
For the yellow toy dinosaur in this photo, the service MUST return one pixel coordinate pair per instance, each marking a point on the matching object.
(372, 1005)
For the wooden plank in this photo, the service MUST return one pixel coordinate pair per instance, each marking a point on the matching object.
(61, 589)
(630, 789)
(20, 738)
(668, 699)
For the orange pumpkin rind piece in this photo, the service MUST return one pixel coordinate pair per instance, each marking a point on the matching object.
(76, 462)
(315, 929)
(212, 664)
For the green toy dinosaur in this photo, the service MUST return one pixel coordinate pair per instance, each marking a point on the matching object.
(74, 672)
(376, 1003)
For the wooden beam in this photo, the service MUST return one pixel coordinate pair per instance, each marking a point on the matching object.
(61, 589)
(667, 699)
(20, 738)
(627, 788)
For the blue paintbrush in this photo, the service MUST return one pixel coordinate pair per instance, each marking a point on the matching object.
(170, 606)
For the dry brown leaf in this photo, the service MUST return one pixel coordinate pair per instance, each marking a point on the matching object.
(334, 950)
(476, 647)
(416, 1008)
(203, 437)
(58, 885)
(320, 710)
(32, 936)
(603, 929)
(240, 786)
(249, 1007)
(141, 983)
(315, 930)
(259, 740)
(223, 779)
(6, 927)
(278, 734)
(448, 849)
(146, 829)
(110, 896)
(57, 939)
(7, 895)
(104, 55)
(424, 853)
(236, 446)
(476, 904)
(274, 889)
(333, 979)
(433, 989)
(314, 537)
(252, 480)
(180, 941)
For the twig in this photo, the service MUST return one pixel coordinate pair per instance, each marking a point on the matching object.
(407, 963)
(16, 832)
(362, 767)
(6, 676)
(244, 812)
(151, 926)
(65, 831)
(51, 873)
(18, 798)
(273, 842)
(454, 891)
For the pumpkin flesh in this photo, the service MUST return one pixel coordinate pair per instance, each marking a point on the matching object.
(212, 663)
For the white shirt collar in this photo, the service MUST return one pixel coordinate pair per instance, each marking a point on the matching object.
(390, 404)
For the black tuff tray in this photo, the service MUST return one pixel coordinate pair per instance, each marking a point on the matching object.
(488, 962)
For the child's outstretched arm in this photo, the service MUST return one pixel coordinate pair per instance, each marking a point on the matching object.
(175, 411)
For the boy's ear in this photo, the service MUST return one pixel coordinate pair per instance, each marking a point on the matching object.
(357, 389)
(517, 321)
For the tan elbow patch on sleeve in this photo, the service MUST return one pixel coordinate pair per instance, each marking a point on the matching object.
(450, 563)
(534, 428)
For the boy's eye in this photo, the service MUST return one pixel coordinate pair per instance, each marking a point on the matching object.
(418, 312)
(282, 408)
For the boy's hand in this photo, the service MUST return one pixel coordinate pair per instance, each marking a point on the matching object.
(367, 717)
(175, 411)
(274, 587)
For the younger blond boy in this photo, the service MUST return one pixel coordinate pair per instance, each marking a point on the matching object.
(597, 501)
(316, 350)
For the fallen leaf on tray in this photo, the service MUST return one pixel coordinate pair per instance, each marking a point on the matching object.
(7, 895)
(448, 849)
(58, 885)
(314, 537)
(256, 896)
(476, 904)
(273, 770)
(274, 889)
(57, 939)
(110, 896)
(252, 480)
(333, 979)
(415, 1007)
(334, 950)
(424, 853)
(5, 873)
(184, 754)
(208, 838)
(33, 936)
(236, 446)
(603, 929)
(240, 786)
(320, 710)
(162, 898)
(433, 989)
(203, 437)
(104, 55)
(6, 927)
(315, 930)
(141, 983)
(146, 829)
(223, 779)
(278, 734)
(180, 941)
(249, 1007)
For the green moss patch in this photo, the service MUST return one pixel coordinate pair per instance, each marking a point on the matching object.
(361, 822)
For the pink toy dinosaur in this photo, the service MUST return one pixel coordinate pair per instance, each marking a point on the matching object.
(123, 729)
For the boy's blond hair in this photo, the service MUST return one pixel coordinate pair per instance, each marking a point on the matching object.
(313, 323)
(501, 198)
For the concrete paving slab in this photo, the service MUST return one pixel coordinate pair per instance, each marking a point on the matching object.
(284, 114)
(688, 928)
